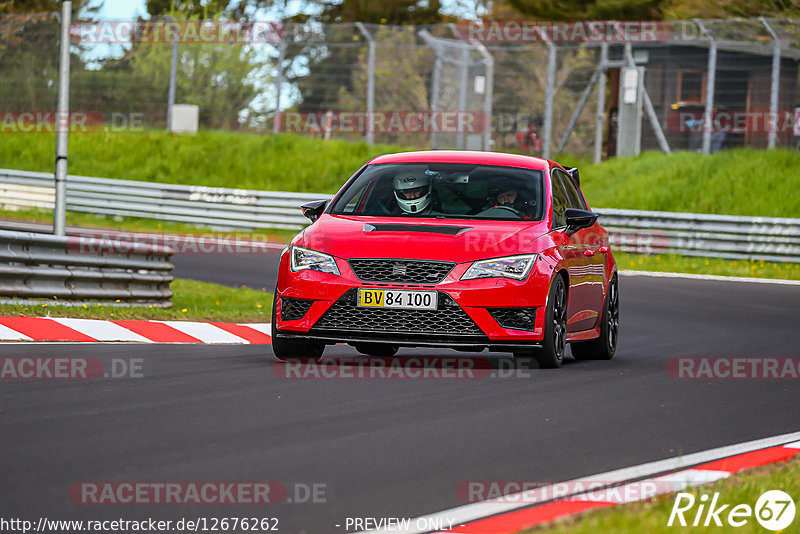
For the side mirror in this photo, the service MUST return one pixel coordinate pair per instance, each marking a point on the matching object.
(575, 175)
(314, 209)
(578, 219)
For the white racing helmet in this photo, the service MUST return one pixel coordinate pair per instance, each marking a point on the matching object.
(413, 193)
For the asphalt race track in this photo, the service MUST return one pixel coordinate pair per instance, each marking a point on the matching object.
(391, 448)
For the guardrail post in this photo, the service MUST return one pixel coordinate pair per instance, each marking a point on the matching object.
(774, 83)
(62, 123)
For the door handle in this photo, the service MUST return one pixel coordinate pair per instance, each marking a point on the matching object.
(603, 250)
(589, 252)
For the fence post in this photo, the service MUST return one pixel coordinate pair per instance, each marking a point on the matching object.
(710, 81)
(62, 124)
(462, 95)
(173, 73)
(652, 117)
(436, 82)
(548, 97)
(488, 92)
(370, 80)
(774, 83)
(276, 122)
(601, 105)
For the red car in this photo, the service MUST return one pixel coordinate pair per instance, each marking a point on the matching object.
(458, 249)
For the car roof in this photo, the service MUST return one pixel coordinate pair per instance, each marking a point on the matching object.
(463, 156)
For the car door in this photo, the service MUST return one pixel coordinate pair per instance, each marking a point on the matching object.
(592, 270)
(578, 250)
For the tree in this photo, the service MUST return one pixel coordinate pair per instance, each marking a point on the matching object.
(29, 42)
(335, 63)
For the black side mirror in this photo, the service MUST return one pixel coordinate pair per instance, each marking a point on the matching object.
(578, 219)
(314, 209)
(575, 175)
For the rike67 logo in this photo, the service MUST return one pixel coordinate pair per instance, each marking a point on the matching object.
(774, 510)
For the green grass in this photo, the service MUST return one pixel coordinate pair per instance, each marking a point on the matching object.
(689, 264)
(283, 162)
(193, 301)
(735, 182)
(651, 516)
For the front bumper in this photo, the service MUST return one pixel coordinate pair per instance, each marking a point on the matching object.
(466, 316)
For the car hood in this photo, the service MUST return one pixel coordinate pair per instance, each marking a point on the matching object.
(456, 240)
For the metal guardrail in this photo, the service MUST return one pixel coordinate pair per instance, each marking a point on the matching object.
(696, 234)
(215, 207)
(34, 265)
(724, 236)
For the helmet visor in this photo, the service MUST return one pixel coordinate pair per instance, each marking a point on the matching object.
(413, 193)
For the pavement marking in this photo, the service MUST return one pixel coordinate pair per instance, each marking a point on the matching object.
(514, 512)
(715, 277)
(102, 330)
(68, 330)
(205, 332)
(44, 329)
(7, 333)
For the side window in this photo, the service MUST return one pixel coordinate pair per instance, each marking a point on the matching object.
(560, 201)
(574, 196)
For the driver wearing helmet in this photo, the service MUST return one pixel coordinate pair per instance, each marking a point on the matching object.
(413, 193)
(507, 195)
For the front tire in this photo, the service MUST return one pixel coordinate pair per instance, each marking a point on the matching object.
(554, 344)
(301, 350)
(604, 347)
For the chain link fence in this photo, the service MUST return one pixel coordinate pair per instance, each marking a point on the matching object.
(538, 88)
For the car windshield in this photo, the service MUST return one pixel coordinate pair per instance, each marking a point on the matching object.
(445, 191)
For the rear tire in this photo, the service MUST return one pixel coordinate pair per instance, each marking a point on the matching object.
(301, 350)
(604, 347)
(377, 350)
(551, 355)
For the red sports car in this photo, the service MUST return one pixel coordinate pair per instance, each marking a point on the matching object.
(458, 249)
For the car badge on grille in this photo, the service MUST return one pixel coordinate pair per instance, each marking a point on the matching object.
(398, 269)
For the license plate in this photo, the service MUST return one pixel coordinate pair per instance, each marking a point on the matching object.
(397, 298)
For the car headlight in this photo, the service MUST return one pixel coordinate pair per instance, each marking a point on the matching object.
(304, 258)
(516, 267)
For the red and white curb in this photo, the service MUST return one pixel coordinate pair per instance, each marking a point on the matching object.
(18, 329)
(530, 508)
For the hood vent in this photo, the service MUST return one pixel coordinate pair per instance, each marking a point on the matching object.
(423, 228)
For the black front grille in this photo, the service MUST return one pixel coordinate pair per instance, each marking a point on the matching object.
(294, 309)
(449, 319)
(401, 271)
(516, 318)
